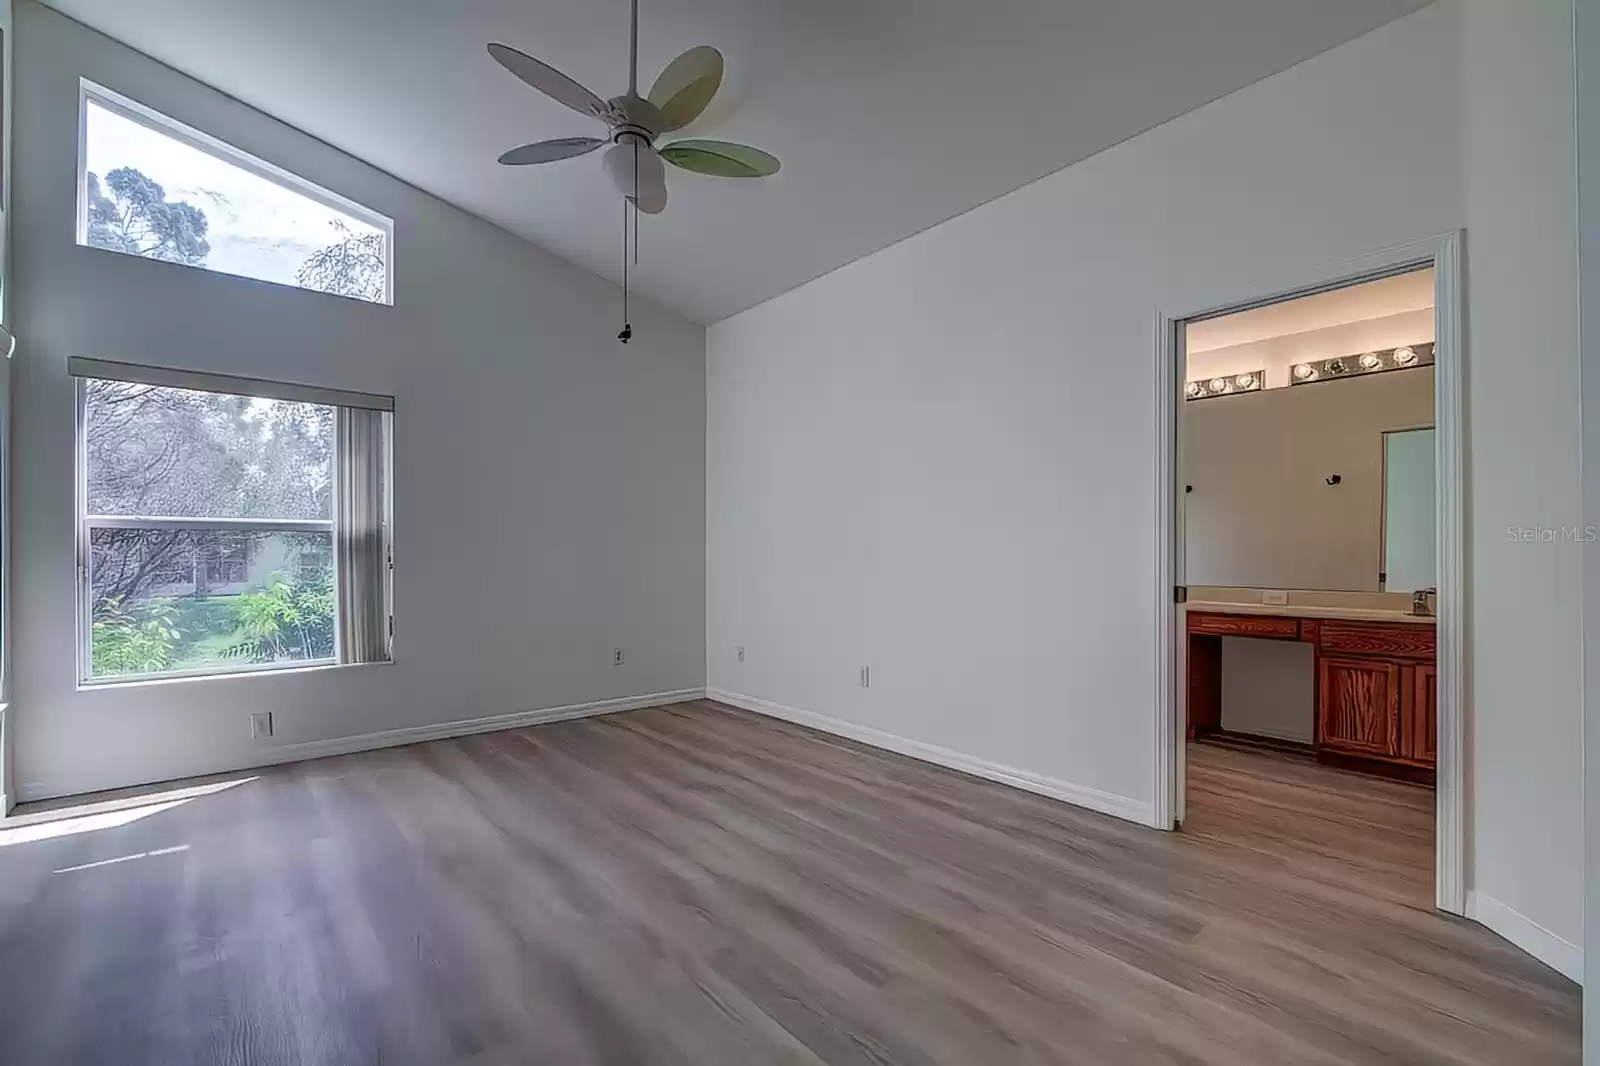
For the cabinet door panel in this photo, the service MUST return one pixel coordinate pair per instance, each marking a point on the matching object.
(1358, 706)
(1422, 724)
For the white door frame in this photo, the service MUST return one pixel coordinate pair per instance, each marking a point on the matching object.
(1443, 253)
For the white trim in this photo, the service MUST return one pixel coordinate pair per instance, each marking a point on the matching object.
(5, 761)
(1450, 876)
(1561, 955)
(1443, 254)
(33, 791)
(8, 343)
(227, 384)
(1167, 803)
(209, 525)
(215, 671)
(1078, 795)
(82, 549)
(167, 126)
(1586, 187)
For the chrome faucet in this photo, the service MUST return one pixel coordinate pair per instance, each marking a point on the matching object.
(1419, 600)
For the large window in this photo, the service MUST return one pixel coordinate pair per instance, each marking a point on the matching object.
(151, 187)
(228, 525)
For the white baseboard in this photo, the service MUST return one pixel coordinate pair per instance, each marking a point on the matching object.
(1079, 795)
(389, 738)
(1559, 954)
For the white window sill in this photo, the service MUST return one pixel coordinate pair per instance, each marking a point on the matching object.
(222, 675)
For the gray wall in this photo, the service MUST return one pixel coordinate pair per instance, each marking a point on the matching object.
(1525, 600)
(939, 460)
(1269, 688)
(549, 482)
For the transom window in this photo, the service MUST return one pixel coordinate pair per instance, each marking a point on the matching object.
(152, 187)
(223, 531)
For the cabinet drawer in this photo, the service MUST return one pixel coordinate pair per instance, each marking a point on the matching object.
(1352, 638)
(1243, 625)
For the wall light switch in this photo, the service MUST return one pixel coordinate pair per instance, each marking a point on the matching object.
(261, 725)
(1275, 599)
(866, 677)
(741, 652)
(616, 657)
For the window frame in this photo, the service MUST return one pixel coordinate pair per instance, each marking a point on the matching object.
(166, 126)
(85, 524)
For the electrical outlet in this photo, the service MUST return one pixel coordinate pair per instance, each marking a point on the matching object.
(616, 657)
(261, 725)
(866, 677)
(740, 651)
(1275, 599)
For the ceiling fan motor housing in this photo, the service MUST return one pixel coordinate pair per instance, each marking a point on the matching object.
(633, 115)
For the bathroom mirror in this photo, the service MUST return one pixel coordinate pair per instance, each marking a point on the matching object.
(1409, 544)
(1305, 442)
(1326, 487)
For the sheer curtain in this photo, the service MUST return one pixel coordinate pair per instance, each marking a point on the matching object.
(361, 533)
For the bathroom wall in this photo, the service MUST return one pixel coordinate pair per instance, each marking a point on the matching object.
(1269, 688)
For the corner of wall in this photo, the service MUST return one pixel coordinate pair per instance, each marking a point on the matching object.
(1555, 951)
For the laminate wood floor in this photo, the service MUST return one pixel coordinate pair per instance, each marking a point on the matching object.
(695, 885)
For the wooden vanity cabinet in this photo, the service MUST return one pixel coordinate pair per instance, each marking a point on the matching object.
(1377, 696)
(1376, 687)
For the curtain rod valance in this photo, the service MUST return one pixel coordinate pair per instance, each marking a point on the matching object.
(203, 381)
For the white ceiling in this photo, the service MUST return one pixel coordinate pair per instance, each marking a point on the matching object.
(1337, 307)
(889, 115)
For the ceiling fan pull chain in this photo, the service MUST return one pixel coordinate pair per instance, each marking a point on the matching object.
(627, 327)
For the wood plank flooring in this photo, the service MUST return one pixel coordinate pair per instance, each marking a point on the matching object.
(695, 885)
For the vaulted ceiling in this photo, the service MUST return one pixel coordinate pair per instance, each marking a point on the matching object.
(890, 116)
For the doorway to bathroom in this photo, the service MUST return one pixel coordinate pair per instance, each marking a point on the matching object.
(1309, 681)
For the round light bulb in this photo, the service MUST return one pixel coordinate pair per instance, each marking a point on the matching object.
(1336, 366)
(1245, 381)
(1218, 384)
(1404, 356)
(1194, 388)
(1370, 361)
(1304, 371)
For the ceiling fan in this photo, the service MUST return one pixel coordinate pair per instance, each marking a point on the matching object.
(633, 124)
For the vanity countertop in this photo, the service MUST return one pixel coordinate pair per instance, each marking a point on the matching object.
(1304, 610)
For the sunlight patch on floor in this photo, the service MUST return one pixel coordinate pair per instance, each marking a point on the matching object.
(107, 814)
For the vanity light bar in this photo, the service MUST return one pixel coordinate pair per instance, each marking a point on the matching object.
(1375, 362)
(1205, 388)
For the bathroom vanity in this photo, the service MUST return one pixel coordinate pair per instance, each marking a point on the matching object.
(1308, 507)
(1375, 679)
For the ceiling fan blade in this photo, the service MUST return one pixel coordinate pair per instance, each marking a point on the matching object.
(548, 80)
(636, 171)
(721, 159)
(686, 87)
(550, 151)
